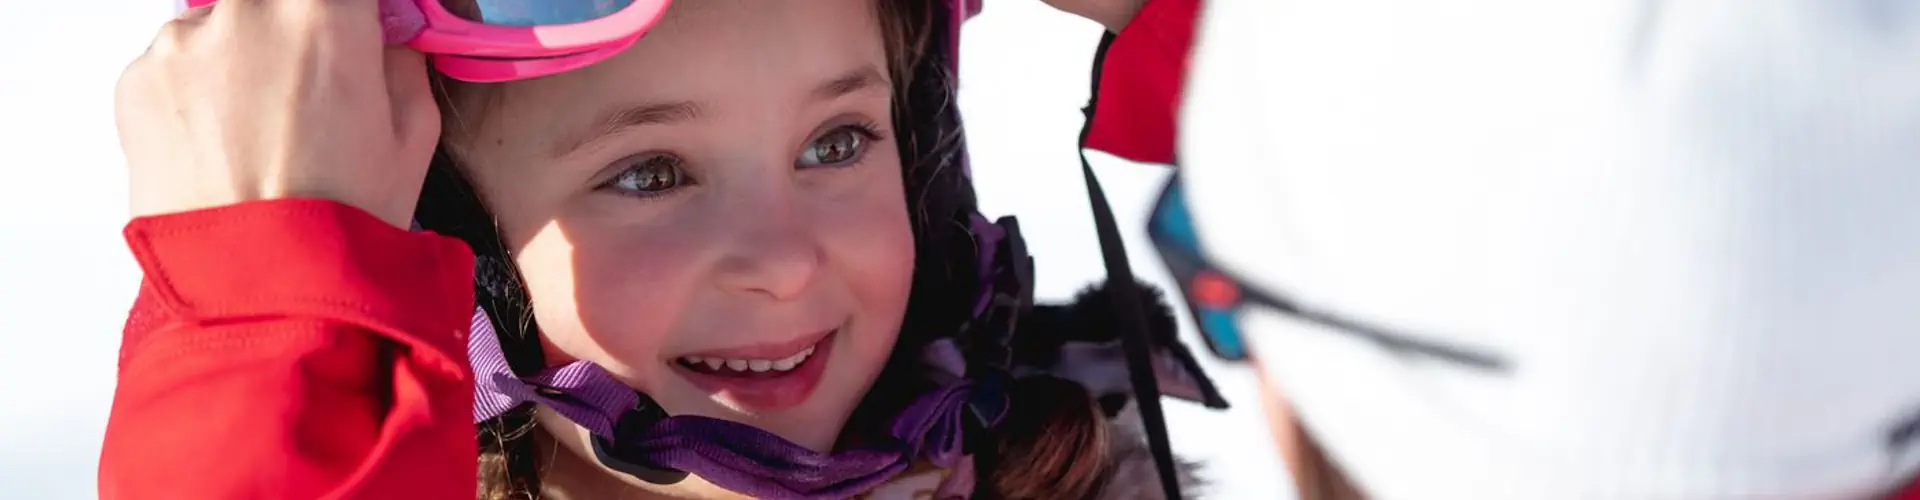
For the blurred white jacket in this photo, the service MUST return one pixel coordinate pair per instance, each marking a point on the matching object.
(1692, 226)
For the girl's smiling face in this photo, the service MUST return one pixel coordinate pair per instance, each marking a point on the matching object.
(716, 216)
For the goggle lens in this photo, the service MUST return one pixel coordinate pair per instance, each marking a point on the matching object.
(533, 12)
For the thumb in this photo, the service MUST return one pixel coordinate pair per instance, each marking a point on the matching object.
(416, 116)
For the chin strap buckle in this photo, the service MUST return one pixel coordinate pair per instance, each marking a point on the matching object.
(643, 415)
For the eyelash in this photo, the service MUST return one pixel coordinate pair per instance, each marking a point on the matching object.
(867, 132)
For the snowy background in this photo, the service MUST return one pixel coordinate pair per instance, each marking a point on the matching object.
(66, 278)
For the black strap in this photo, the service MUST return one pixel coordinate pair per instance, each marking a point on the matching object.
(1127, 301)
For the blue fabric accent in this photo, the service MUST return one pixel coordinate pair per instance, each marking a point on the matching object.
(1224, 331)
(1172, 225)
(1174, 221)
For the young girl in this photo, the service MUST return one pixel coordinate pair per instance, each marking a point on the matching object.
(740, 258)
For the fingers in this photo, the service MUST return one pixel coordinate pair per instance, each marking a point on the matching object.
(347, 27)
(342, 34)
(415, 114)
(363, 9)
(194, 14)
(260, 99)
(174, 34)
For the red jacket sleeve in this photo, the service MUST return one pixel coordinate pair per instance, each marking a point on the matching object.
(1141, 79)
(293, 349)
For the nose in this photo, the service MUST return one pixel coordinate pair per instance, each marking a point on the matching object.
(772, 249)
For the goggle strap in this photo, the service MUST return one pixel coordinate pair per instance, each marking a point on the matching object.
(1127, 301)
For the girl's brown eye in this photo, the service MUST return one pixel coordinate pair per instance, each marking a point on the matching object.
(839, 146)
(652, 175)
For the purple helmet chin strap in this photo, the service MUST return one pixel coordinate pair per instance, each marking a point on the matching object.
(634, 435)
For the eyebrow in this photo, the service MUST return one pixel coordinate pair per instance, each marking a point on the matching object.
(861, 79)
(625, 118)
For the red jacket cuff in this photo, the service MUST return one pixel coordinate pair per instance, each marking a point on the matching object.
(310, 259)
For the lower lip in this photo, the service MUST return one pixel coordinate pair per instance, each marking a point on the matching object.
(767, 391)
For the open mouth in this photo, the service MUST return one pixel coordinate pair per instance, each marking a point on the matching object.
(740, 367)
(761, 378)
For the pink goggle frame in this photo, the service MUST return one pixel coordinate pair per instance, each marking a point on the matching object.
(476, 51)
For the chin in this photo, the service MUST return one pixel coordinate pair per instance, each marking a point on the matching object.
(808, 413)
(820, 437)
(817, 423)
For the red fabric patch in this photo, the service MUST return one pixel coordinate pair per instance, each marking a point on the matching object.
(1912, 492)
(292, 349)
(1140, 83)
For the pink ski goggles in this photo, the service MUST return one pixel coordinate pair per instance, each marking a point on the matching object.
(502, 40)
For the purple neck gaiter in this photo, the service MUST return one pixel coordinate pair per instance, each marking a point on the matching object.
(634, 435)
(735, 456)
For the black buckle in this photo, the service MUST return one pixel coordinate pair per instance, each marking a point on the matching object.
(985, 407)
(989, 399)
(644, 414)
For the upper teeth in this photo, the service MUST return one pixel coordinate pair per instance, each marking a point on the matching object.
(758, 365)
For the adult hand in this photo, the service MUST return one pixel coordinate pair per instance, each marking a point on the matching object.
(262, 99)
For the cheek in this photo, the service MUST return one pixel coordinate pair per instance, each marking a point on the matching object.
(580, 273)
(882, 266)
(873, 244)
(546, 262)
